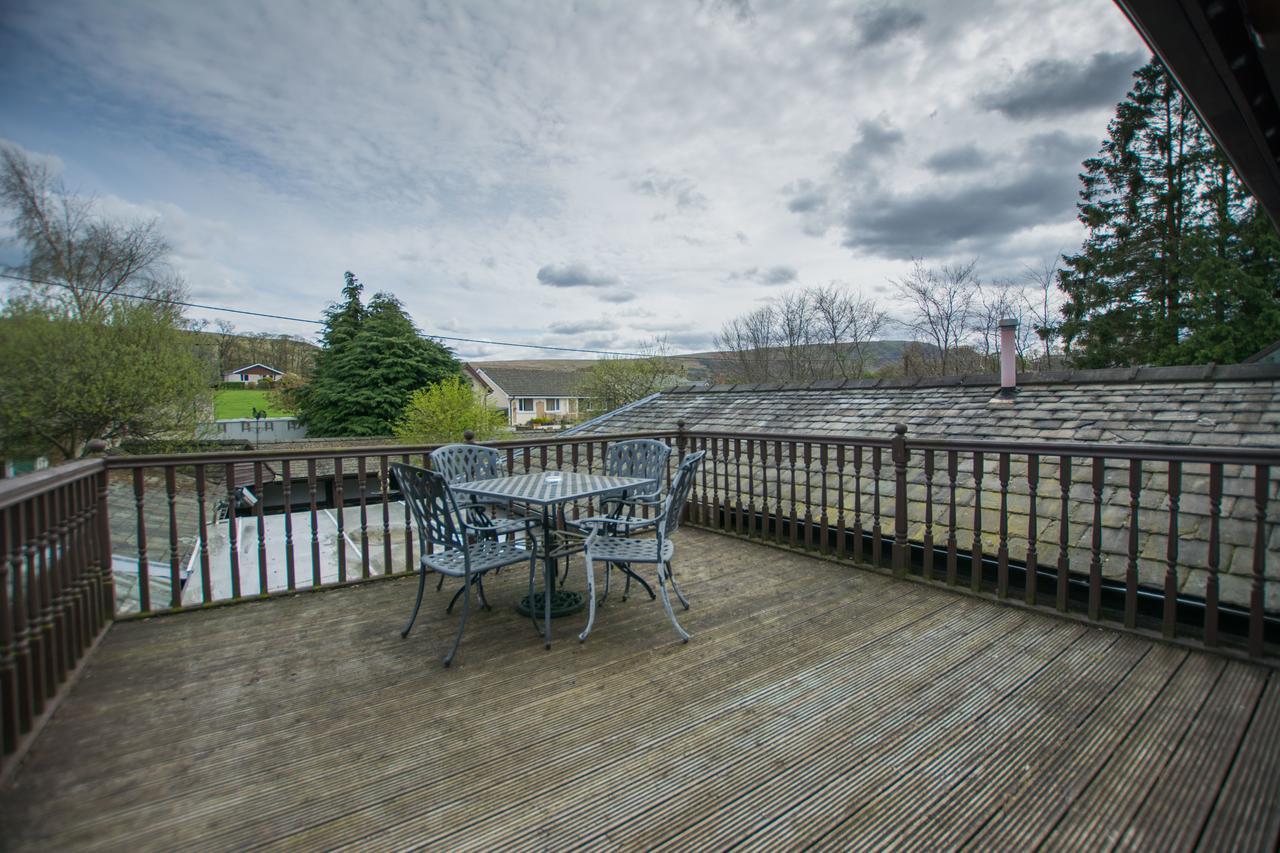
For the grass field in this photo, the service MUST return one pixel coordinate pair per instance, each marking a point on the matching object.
(240, 403)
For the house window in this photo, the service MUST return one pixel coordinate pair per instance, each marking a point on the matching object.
(244, 377)
(525, 404)
(553, 404)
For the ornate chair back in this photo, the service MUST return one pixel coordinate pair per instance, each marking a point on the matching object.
(638, 457)
(680, 488)
(432, 504)
(459, 463)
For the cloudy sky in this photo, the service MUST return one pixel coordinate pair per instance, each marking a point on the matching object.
(580, 174)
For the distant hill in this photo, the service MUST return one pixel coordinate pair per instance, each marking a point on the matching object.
(712, 366)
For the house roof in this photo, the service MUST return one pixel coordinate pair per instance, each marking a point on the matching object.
(532, 382)
(252, 366)
(1232, 405)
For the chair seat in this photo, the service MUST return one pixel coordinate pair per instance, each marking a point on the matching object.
(485, 554)
(618, 550)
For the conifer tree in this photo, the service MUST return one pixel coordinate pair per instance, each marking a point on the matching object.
(1179, 266)
(373, 359)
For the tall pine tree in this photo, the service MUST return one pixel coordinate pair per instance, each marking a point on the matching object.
(1179, 265)
(373, 359)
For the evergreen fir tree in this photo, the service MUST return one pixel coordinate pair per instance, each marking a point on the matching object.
(1179, 265)
(373, 359)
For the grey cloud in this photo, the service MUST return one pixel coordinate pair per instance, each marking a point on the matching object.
(617, 296)
(876, 26)
(690, 340)
(806, 196)
(1057, 147)
(772, 275)
(961, 158)
(577, 327)
(1055, 86)
(574, 275)
(681, 190)
(877, 140)
(934, 222)
(741, 236)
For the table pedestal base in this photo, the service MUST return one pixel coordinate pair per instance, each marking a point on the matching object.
(563, 603)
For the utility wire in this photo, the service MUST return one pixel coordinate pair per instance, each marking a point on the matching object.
(223, 308)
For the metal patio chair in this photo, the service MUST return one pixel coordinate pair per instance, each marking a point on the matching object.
(460, 463)
(638, 457)
(462, 549)
(618, 548)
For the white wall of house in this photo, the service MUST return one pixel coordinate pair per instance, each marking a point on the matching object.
(525, 409)
(248, 376)
(494, 397)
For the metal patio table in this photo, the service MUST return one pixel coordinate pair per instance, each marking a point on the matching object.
(548, 490)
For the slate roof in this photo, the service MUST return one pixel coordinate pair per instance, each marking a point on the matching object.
(1220, 406)
(1224, 405)
(534, 382)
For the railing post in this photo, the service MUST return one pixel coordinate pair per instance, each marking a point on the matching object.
(900, 458)
(682, 438)
(468, 437)
(106, 568)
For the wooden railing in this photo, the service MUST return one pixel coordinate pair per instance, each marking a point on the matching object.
(55, 587)
(1180, 540)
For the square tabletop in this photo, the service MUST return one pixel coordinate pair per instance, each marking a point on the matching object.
(534, 488)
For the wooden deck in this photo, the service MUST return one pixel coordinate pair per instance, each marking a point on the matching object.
(815, 704)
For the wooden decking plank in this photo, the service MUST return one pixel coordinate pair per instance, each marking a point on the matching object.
(1025, 814)
(813, 697)
(513, 648)
(1247, 813)
(337, 762)
(338, 749)
(1088, 669)
(1104, 808)
(734, 799)
(583, 751)
(1042, 749)
(1178, 805)
(713, 767)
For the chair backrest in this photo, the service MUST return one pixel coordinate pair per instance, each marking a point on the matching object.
(638, 457)
(459, 463)
(680, 488)
(431, 501)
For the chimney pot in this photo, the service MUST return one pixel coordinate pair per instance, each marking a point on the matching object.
(1008, 356)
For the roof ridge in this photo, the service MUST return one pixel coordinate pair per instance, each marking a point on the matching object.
(1250, 372)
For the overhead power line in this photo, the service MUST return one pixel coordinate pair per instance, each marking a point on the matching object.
(269, 316)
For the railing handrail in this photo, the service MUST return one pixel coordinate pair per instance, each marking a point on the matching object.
(233, 456)
(1176, 452)
(14, 490)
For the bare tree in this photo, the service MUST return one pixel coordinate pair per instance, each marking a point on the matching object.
(940, 306)
(846, 324)
(802, 335)
(749, 340)
(1044, 305)
(75, 259)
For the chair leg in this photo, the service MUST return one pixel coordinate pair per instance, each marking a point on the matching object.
(422, 582)
(672, 577)
(666, 603)
(591, 597)
(484, 602)
(440, 584)
(608, 570)
(466, 611)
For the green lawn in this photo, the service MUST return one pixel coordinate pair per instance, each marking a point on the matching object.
(240, 403)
